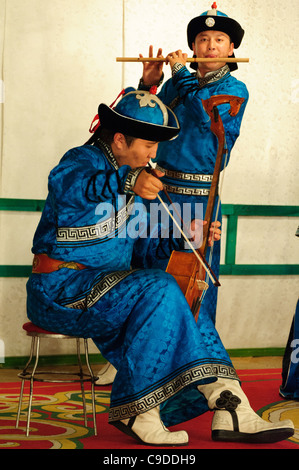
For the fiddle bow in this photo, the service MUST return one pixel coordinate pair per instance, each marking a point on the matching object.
(185, 267)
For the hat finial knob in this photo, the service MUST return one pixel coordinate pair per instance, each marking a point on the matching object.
(214, 6)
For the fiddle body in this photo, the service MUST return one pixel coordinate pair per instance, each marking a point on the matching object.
(190, 275)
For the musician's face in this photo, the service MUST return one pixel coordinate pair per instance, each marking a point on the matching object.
(212, 44)
(137, 154)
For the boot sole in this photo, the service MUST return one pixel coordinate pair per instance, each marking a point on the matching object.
(126, 430)
(263, 437)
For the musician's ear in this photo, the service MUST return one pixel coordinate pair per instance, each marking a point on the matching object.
(231, 50)
(119, 140)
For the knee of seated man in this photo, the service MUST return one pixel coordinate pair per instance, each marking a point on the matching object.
(170, 285)
(160, 280)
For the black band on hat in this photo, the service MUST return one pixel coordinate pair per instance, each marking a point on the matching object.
(112, 120)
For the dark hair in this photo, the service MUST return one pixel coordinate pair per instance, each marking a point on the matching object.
(107, 136)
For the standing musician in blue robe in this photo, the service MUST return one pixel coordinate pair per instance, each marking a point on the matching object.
(84, 283)
(188, 162)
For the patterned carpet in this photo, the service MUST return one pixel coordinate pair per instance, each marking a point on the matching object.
(57, 417)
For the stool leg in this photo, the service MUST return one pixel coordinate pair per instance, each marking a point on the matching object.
(92, 386)
(31, 385)
(22, 375)
(20, 403)
(81, 381)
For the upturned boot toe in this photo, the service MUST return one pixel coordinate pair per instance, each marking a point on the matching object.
(147, 428)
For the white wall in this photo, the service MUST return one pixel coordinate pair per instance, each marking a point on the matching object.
(58, 63)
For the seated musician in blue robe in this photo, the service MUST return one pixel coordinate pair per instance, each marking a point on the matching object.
(84, 283)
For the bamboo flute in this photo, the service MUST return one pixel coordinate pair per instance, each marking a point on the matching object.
(193, 59)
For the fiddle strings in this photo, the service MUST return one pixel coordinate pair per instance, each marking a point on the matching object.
(216, 217)
(218, 203)
(186, 238)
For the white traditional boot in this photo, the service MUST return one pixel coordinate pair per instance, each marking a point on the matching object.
(235, 420)
(106, 375)
(147, 428)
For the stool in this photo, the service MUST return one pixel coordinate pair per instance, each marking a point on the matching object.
(37, 333)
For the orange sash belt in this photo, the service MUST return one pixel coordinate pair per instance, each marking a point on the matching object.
(42, 263)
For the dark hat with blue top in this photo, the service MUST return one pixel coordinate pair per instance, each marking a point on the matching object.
(140, 114)
(216, 21)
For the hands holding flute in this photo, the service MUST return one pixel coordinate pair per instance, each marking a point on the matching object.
(152, 70)
(153, 66)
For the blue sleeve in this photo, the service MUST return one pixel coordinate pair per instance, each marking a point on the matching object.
(82, 177)
(185, 85)
(188, 89)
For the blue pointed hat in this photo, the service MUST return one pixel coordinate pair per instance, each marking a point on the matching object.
(140, 114)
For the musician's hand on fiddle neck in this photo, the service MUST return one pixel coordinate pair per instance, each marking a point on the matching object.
(215, 232)
(147, 185)
(196, 231)
(177, 57)
(152, 71)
